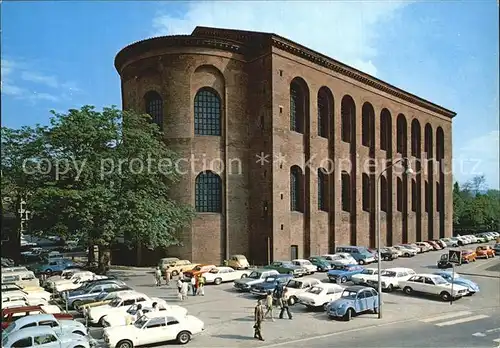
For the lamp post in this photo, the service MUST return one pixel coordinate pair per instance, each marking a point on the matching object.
(408, 170)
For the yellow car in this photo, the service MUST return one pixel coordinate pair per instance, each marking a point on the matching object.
(238, 262)
(175, 267)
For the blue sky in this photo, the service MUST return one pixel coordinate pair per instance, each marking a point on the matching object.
(59, 55)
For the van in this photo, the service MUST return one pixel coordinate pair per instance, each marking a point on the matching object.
(166, 261)
(238, 262)
(22, 278)
(360, 254)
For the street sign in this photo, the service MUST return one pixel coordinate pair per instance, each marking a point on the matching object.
(455, 256)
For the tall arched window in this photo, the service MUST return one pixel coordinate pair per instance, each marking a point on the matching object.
(399, 194)
(208, 193)
(322, 189)
(325, 111)
(207, 112)
(368, 125)
(366, 192)
(439, 144)
(154, 107)
(385, 130)
(348, 117)
(298, 106)
(428, 142)
(346, 192)
(415, 138)
(402, 135)
(414, 195)
(384, 194)
(296, 203)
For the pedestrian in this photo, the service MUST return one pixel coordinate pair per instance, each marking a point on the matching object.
(184, 291)
(269, 305)
(284, 305)
(139, 313)
(201, 285)
(258, 318)
(179, 287)
(155, 307)
(167, 276)
(278, 291)
(157, 276)
(194, 282)
(181, 275)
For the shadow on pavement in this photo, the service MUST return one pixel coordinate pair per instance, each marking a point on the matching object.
(234, 337)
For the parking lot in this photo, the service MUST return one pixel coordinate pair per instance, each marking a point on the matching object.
(228, 314)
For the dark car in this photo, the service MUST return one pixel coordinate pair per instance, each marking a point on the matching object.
(320, 262)
(443, 262)
(387, 254)
(270, 283)
(75, 298)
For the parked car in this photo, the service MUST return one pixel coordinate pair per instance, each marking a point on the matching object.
(360, 278)
(75, 298)
(360, 254)
(120, 319)
(198, 270)
(431, 284)
(443, 262)
(223, 274)
(340, 259)
(496, 247)
(45, 336)
(65, 274)
(306, 264)
(164, 262)
(441, 243)
(52, 266)
(388, 254)
(30, 292)
(12, 314)
(270, 283)
(485, 251)
(406, 251)
(455, 278)
(320, 295)
(21, 297)
(287, 267)
(42, 320)
(257, 276)
(150, 329)
(390, 278)
(434, 245)
(298, 286)
(481, 238)
(238, 262)
(177, 266)
(414, 246)
(468, 256)
(320, 262)
(353, 301)
(424, 246)
(101, 299)
(343, 273)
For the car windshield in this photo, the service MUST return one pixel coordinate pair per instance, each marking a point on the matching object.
(67, 275)
(294, 284)
(255, 275)
(139, 323)
(197, 268)
(388, 274)
(339, 267)
(368, 271)
(77, 280)
(116, 302)
(315, 290)
(440, 281)
(270, 279)
(349, 294)
(101, 296)
(132, 309)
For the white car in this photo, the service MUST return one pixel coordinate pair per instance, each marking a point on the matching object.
(77, 282)
(390, 278)
(298, 286)
(152, 328)
(120, 319)
(41, 320)
(65, 275)
(320, 295)
(223, 274)
(48, 309)
(424, 246)
(44, 336)
(30, 292)
(406, 251)
(361, 278)
(119, 305)
(433, 285)
(340, 259)
(69, 277)
(306, 264)
(21, 297)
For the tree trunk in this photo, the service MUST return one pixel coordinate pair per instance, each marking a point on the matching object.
(104, 259)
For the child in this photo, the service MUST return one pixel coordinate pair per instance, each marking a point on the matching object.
(269, 305)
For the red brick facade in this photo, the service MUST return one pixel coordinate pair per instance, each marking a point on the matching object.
(362, 119)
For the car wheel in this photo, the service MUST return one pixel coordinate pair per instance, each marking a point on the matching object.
(362, 262)
(174, 273)
(76, 304)
(125, 344)
(48, 271)
(349, 314)
(79, 333)
(79, 347)
(390, 288)
(292, 300)
(217, 281)
(445, 296)
(375, 310)
(183, 337)
(101, 321)
(243, 276)
(343, 279)
(407, 290)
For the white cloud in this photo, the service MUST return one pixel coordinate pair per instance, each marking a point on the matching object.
(479, 156)
(346, 31)
(50, 81)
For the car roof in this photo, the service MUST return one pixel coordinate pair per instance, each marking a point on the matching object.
(262, 270)
(34, 318)
(398, 269)
(356, 288)
(300, 260)
(129, 295)
(30, 331)
(224, 267)
(20, 309)
(14, 293)
(430, 275)
(327, 285)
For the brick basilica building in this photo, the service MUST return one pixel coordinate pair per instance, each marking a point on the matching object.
(226, 96)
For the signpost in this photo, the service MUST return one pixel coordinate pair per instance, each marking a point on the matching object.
(455, 258)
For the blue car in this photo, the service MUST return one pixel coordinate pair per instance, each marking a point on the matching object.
(457, 279)
(53, 266)
(355, 300)
(343, 273)
(496, 247)
(270, 284)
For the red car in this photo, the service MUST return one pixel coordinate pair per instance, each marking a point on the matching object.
(12, 314)
(440, 243)
(434, 245)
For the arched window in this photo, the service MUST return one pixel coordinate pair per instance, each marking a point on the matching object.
(366, 192)
(296, 189)
(428, 196)
(439, 144)
(428, 145)
(384, 194)
(399, 194)
(414, 195)
(154, 107)
(322, 189)
(297, 107)
(207, 112)
(346, 192)
(402, 135)
(415, 138)
(325, 111)
(368, 125)
(348, 116)
(385, 130)
(208, 193)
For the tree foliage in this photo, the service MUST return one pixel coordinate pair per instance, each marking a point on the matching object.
(96, 175)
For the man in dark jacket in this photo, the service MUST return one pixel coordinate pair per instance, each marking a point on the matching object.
(278, 291)
(259, 317)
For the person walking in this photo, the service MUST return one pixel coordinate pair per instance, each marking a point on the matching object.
(269, 305)
(184, 291)
(155, 307)
(181, 275)
(167, 276)
(179, 288)
(193, 285)
(158, 276)
(139, 313)
(258, 318)
(201, 285)
(285, 305)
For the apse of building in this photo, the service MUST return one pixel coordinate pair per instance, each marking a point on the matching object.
(227, 96)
